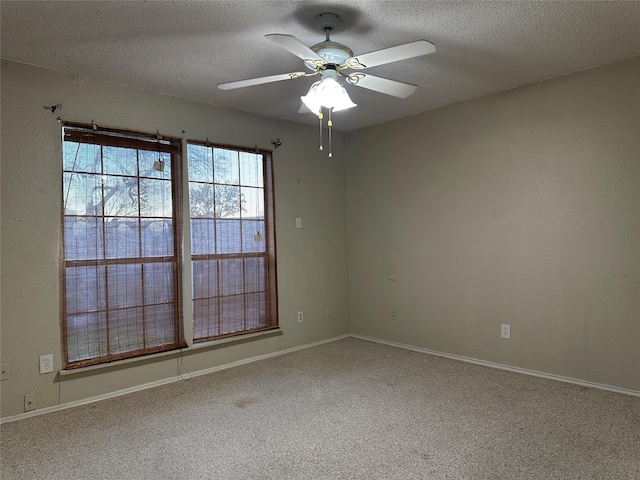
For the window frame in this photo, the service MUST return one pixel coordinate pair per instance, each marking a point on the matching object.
(111, 137)
(269, 254)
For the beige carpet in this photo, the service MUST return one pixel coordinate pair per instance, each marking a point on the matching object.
(350, 409)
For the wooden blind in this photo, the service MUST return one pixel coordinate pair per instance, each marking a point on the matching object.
(121, 244)
(232, 240)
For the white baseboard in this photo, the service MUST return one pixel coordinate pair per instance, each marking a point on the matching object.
(485, 363)
(117, 393)
(157, 383)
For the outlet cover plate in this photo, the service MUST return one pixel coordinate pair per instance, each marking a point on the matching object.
(505, 331)
(46, 363)
(29, 402)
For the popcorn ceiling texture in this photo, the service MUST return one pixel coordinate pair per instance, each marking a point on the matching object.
(187, 48)
(349, 409)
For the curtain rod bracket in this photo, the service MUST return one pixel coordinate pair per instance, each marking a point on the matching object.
(53, 108)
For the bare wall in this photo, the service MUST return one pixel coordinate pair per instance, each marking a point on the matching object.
(312, 261)
(521, 207)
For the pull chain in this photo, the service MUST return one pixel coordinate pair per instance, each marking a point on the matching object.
(330, 125)
(320, 116)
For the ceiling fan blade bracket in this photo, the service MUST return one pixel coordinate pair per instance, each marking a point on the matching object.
(354, 64)
(354, 78)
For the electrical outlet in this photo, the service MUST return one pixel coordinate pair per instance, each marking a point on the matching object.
(329, 313)
(393, 314)
(29, 402)
(300, 317)
(298, 222)
(505, 331)
(46, 363)
(6, 372)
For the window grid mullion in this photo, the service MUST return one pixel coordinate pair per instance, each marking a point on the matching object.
(104, 251)
(140, 253)
(218, 307)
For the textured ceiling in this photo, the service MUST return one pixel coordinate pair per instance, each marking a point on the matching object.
(186, 48)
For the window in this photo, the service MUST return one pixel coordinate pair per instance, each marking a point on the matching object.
(232, 241)
(121, 244)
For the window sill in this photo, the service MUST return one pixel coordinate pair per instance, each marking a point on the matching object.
(210, 345)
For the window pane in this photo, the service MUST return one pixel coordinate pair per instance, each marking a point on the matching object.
(120, 196)
(252, 202)
(254, 274)
(251, 169)
(159, 325)
(228, 202)
(125, 330)
(228, 236)
(155, 198)
(158, 283)
(124, 284)
(225, 166)
(253, 236)
(205, 278)
(81, 157)
(83, 238)
(157, 238)
(256, 310)
(232, 314)
(86, 336)
(201, 200)
(122, 237)
(202, 237)
(231, 276)
(205, 318)
(200, 163)
(149, 167)
(85, 290)
(119, 161)
(82, 194)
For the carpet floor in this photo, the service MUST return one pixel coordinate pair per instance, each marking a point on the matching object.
(349, 409)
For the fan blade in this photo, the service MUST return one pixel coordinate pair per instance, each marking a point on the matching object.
(382, 85)
(260, 80)
(295, 46)
(392, 54)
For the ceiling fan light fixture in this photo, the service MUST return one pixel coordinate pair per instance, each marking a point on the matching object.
(327, 93)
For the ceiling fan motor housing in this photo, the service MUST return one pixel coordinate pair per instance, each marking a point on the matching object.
(332, 52)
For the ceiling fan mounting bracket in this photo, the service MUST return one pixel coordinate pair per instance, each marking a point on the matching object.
(327, 22)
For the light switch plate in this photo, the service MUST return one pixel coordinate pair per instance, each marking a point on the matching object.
(505, 331)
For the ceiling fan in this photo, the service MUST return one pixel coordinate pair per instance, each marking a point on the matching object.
(332, 60)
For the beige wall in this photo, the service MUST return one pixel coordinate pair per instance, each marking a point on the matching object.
(521, 207)
(312, 262)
